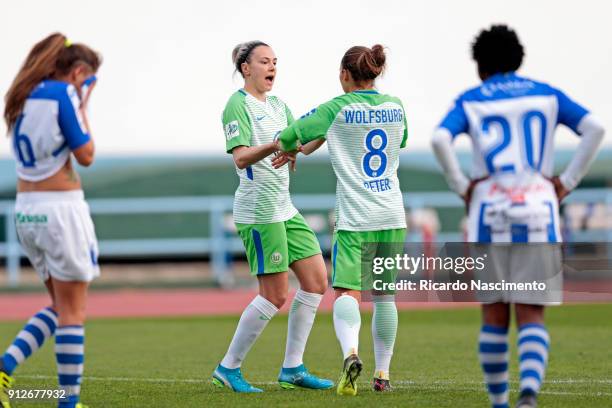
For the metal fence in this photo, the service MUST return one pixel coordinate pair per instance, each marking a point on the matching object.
(217, 242)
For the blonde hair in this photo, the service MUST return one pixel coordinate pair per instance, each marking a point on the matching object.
(242, 53)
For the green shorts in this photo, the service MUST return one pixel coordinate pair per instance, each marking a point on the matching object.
(271, 248)
(348, 267)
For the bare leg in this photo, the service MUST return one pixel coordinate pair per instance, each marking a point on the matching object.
(274, 288)
(311, 274)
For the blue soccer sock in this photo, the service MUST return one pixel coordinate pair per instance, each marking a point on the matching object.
(39, 328)
(493, 355)
(533, 341)
(69, 350)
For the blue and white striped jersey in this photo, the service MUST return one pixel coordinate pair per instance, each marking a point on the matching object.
(511, 121)
(49, 127)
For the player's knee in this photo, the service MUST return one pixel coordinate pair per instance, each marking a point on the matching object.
(71, 318)
(322, 287)
(277, 299)
(497, 315)
(71, 315)
(318, 286)
(526, 314)
(497, 321)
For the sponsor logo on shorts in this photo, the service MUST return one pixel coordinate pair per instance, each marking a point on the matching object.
(276, 258)
(22, 218)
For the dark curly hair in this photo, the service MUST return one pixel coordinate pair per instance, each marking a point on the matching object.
(497, 50)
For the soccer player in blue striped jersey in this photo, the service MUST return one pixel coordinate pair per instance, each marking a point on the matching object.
(511, 121)
(46, 116)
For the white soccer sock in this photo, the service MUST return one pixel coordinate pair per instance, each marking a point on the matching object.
(384, 330)
(301, 318)
(252, 322)
(347, 322)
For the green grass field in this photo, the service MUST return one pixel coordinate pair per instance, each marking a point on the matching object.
(167, 362)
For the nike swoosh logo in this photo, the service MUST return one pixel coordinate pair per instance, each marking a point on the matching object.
(259, 118)
(264, 318)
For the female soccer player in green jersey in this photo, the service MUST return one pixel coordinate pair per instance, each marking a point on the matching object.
(364, 131)
(275, 235)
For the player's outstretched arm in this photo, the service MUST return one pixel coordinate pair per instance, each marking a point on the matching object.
(289, 139)
(312, 146)
(309, 128)
(592, 132)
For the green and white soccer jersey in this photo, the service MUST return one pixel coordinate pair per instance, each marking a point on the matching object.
(263, 194)
(365, 131)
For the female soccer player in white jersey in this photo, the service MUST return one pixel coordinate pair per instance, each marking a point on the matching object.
(46, 114)
(511, 121)
(364, 131)
(275, 235)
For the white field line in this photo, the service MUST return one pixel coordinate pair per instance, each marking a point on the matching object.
(401, 384)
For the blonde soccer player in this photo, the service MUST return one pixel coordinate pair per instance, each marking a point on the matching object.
(275, 235)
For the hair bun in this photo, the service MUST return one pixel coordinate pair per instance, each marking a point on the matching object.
(364, 63)
(236, 51)
(378, 54)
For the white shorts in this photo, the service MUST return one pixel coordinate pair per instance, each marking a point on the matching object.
(57, 234)
(522, 264)
(521, 210)
(514, 209)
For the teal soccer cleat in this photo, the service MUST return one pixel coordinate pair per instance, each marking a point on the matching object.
(232, 378)
(299, 376)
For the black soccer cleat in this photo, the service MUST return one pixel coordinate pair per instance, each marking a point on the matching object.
(527, 400)
(347, 384)
(381, 385)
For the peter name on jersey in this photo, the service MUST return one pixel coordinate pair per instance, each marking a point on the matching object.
(379, 185)
(364, 117)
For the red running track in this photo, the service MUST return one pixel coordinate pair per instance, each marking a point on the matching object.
(156, 303)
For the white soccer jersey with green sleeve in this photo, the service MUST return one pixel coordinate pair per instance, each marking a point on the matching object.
(263, 194)
(365, 131)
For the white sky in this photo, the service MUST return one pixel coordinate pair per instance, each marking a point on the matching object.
(167, 69)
